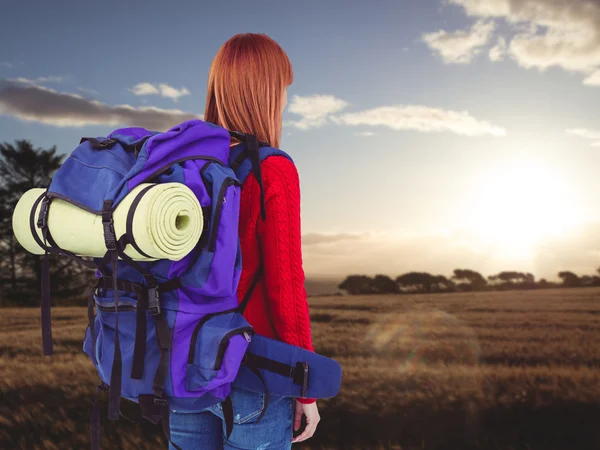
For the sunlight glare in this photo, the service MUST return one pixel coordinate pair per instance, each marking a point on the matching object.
(515, 206)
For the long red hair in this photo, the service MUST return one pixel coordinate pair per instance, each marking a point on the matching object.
(246, 83)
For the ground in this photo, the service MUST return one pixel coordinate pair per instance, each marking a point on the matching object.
(487, 370)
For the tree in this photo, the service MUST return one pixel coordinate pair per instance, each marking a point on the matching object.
(512, 277)
(417, 281)
(23, 167)
(569, 278)
(382, 284)
(442, 284)
(357, 284)
(469, 279)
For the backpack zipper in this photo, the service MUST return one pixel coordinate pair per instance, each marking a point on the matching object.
(246, 331)
(202, 321)
(121, 307)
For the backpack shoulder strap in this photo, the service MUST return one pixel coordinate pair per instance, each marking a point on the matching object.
(241, 164)
(246, 157)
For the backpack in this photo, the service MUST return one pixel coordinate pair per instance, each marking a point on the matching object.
(163, 334)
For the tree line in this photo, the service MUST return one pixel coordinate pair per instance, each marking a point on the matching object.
(461, 280)
(23, 167)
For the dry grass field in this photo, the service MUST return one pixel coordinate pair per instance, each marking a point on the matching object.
(487, 370)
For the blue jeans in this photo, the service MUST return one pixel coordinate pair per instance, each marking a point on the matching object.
(206, 430)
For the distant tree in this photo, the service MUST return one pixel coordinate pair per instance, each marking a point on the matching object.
(590, 280)
(569, 278)
(513, 277)
(357, 284)
(417, 281)
(383, 284)
(442, 284)
(23, 167)
(469, 279)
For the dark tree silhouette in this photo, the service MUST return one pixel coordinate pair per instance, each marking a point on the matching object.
(382, 284)
(417, 281)
(569, 278)
(469, 279)
(23, 167)
(513, 277)
(357, 284)
(442, 284)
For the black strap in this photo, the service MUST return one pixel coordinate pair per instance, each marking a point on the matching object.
(298, 373)
(267, 393)
(110, 240)
(139, 349)
(130, 215)
(163, 334)
(227, 405)
(252, 146)
(106, 282)
(91, 322)
(246, 299)
(46, 315)
(42, 223)
(169, 285)
(97, 144)
(157, 410)
(239, 160)
(95, 419)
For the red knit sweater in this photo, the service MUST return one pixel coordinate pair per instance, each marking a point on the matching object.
(278, 307)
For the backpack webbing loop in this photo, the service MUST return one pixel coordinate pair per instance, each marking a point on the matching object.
(110, 240)
(252, 146)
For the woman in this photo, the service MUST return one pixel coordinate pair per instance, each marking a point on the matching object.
(247, 93)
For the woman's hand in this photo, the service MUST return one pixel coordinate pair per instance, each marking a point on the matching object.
(311, 411)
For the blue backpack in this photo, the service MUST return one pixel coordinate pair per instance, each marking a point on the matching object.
(170, 334)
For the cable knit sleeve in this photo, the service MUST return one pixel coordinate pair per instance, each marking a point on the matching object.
(280, 242)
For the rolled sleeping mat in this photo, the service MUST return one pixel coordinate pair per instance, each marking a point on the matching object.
(288, 370)
(166, 223)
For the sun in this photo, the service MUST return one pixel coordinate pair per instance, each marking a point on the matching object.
(514, 206)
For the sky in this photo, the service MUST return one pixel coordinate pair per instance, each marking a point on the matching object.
(429, 135)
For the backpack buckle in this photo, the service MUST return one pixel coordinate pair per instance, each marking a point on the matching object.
(153, 301)
(160, 401)
(110, 238)
(304, 366)
(42, 221)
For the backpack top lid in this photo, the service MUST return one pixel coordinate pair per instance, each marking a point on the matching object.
(109, 168)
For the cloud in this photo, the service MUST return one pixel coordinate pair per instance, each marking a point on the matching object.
(39, 104)
(329, 238)
(7, 64)
(592, 135)
(39, 80)
(162, 89)
(440, 253)
(461, 46)
(318, 110)
(314, 110)
(421, 118)
(584, 133)
(498, 51)
(593, 79)
(88, 91)
(547, 33)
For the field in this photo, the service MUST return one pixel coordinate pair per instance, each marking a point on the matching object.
(507, 370)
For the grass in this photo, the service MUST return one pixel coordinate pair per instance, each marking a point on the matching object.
(495, 370)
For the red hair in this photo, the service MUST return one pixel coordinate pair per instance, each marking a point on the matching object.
(246, 83)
